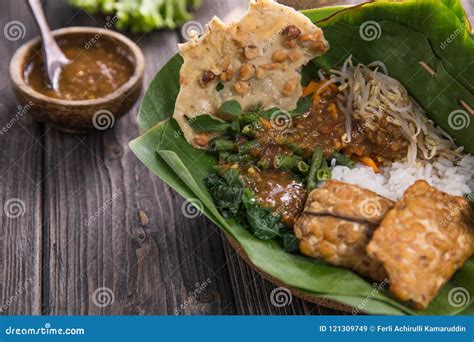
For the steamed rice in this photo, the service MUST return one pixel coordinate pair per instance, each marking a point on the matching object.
(453, 178)
(432, 155)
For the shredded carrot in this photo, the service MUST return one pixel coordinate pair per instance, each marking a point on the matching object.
(310, 88)
(266, 124)
(316, 99)
(332, 109)
(369, 162)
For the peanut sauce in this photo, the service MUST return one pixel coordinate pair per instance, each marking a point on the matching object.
(93, 72)
(323, 125)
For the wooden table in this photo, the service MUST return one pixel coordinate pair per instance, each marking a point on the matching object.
(95, 217)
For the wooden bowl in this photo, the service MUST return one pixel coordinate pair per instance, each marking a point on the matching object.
(78, 116)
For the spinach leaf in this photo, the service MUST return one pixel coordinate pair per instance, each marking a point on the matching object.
(226, 193)
(233, 200)
(264, 224)
(303, 106)
(208, 123)
(231, 107)
(290, 242)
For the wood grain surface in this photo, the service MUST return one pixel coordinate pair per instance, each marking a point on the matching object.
(84, 223)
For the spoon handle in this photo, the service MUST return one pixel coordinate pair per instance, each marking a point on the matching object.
(55, 58)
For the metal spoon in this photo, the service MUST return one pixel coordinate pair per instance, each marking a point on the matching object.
(55, 60)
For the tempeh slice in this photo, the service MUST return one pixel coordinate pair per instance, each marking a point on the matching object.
(339, 242)
(348, 201)
(337, 224)
(423, 241)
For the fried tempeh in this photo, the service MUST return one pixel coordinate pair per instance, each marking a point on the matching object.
(349, 201)
(337, 224)
(423, 241)
(339, 242)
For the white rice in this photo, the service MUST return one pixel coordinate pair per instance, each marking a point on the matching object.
(453, 178)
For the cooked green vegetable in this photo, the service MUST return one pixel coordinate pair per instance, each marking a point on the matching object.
(233, 199)
(293, 147)
(286, 163)
(264, 163)
(249, 130)
(141, 15)
(316, 160)
(324, 173)
(235, 127)
(290, 242)
(208, 123)
(231, 107)
(221, 144)
(248, 146)
(303, 167)
(303, 106)
(239, 158)
(228, 198)
(342, 160)
(262, 222)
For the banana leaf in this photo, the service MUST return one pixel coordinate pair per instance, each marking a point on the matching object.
(427, 27)
(164, 151)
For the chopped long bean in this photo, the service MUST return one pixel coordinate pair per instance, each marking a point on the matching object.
(324, 173)
(293, 147)
(249, 145)
(249, 130)
(264, 163)
(239, 158)
(316, 161)
(343, 160)
(223, 155)
(223, 145)
(284, 162)
(303, 167)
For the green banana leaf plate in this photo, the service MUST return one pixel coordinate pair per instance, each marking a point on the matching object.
(428, 47)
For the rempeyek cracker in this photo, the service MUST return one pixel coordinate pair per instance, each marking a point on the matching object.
(256, 60)
(423, 241)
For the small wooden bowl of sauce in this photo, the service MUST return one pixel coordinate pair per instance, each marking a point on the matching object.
(101, 83)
